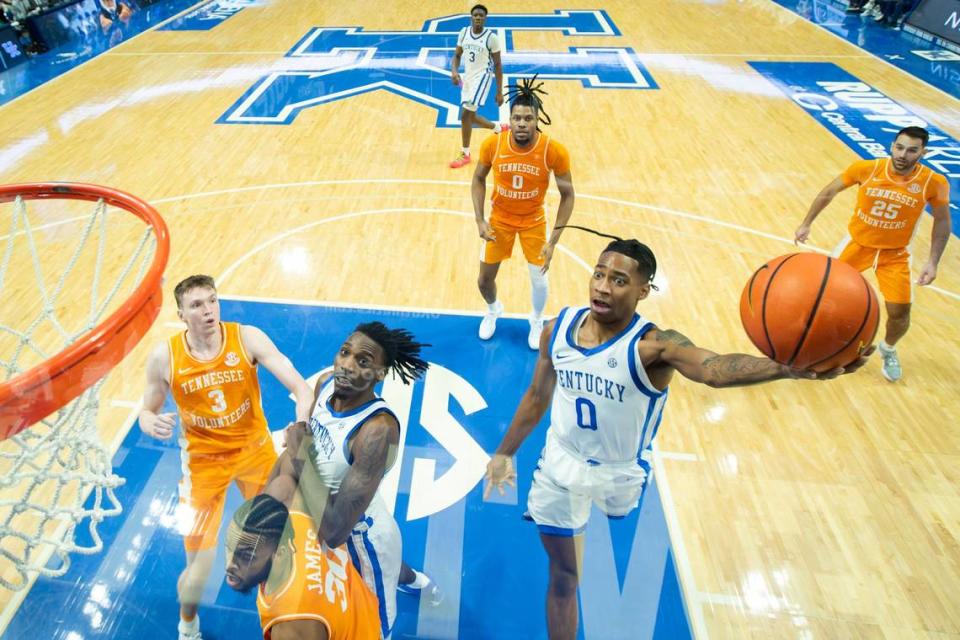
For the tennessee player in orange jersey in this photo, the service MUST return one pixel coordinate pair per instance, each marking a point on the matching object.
(211, 370)
(307, 590)
(892, 194)
(522, 160)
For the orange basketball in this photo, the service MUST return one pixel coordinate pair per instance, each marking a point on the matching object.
(809, 311)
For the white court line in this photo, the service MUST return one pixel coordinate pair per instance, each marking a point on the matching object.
(692, 601)
(100, 55)
(627, 203)
(365, 307)
(867, 51)
(356, 214)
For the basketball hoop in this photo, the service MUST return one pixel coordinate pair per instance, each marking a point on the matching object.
(50, 470)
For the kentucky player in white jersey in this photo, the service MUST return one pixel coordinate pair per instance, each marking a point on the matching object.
(479, 48)
(606, 370)
(355, 437)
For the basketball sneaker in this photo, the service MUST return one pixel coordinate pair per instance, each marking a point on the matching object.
(890, 364)
(536, 328)
(489, 323)
(189, 630)
(462, 160)
(423, 586)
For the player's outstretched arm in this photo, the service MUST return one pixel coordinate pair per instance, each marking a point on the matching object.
(531, 410)
(157, 425)
(371, 449)
(825, 197)
(263, 351)
(729, 369)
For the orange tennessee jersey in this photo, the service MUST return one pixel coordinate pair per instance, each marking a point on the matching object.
(219, 399)
(323, 586)
(888, 204)
(521, 178)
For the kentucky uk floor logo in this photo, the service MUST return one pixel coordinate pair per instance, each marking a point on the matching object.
(335, 63)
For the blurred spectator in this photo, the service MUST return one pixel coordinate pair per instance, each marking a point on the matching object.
(114, 13)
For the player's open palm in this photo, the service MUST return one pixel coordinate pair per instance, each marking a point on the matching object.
(500, 471)
(159, 425)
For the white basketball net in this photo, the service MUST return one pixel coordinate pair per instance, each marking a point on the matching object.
(48, 471)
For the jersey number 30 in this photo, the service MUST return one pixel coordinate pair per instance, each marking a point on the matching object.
(586, 414)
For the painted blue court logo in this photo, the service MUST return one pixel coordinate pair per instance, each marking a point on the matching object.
(486, 559)
(335, 63)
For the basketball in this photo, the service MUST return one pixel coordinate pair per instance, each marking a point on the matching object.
(809, 311)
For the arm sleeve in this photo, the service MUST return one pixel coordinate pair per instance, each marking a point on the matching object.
(558, 158)
(488, 149)
(938, 193)
(858, 172)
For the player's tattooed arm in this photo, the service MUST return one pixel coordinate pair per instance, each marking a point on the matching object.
(674, 336)
(371, 449)
(738, 369)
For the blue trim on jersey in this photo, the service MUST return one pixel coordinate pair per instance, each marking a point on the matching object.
(589, 352)
(651, 407)
(632, 364)
(354, 556)
(347, 454)
(610, 517)
(556, 329)
(563, 532)
(378, 581)
(352, 412)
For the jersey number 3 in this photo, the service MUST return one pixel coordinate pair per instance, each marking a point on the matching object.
(219, 402)
(586, 414)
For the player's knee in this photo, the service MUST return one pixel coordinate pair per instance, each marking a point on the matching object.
(563, 580)
(485, 281)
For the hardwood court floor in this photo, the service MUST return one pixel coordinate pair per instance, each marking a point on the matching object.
(797, 509)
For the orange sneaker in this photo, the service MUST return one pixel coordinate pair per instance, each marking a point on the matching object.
(461, 160)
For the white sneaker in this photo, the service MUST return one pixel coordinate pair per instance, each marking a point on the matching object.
(189, 630)
(489, 323)
(428, 590)
(890, 364)
(533, 338)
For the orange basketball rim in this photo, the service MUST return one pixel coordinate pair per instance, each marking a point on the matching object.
(36, 393)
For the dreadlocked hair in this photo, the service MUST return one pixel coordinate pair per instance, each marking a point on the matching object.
(263, 516)
(401, 351)
(631, 248)
(526, 93)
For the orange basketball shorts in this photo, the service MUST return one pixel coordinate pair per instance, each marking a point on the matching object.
(203, 487)
(531, 241)
(892, 267)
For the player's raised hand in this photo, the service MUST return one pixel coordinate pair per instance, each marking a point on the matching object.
(486, 231)
(499, 472)
(802, 234)
(293, 436)
(927, 275)
(158, 425)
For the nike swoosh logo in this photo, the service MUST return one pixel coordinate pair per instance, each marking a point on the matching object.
(564, 356)
(183, 372)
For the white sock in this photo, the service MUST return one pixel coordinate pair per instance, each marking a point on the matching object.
(466, 151)
(494, 307)
(886, 347)
(187, 627)
(420, 580)
(538, 290)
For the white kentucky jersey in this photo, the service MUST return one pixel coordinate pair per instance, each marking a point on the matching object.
(477, 50)
(605, 409)
(332, 431)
